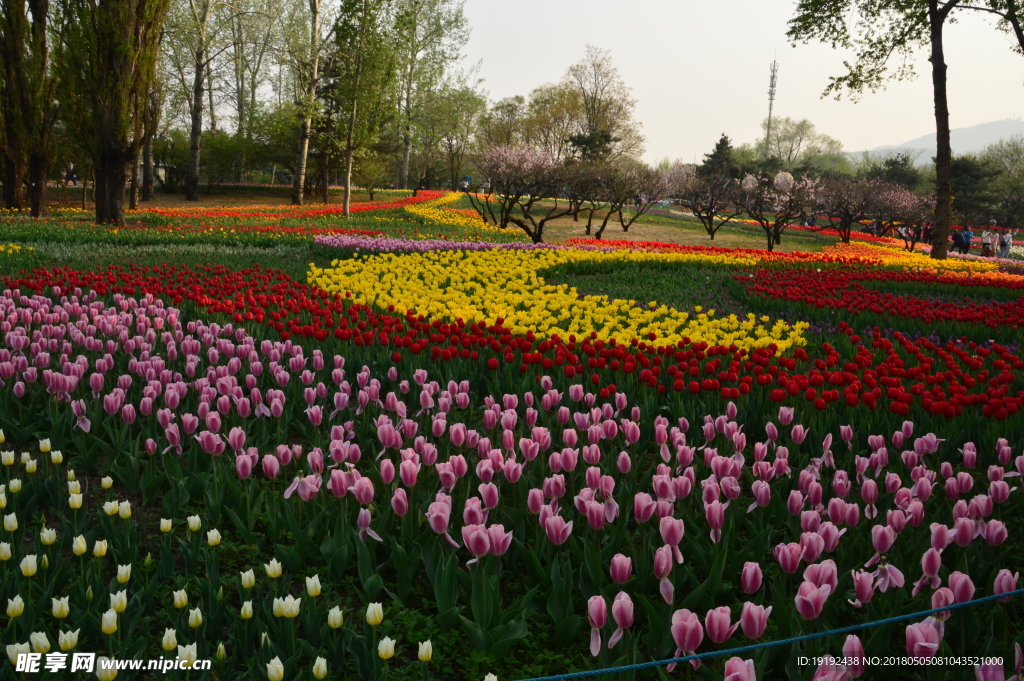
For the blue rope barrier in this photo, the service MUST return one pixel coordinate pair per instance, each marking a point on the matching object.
(771, 644)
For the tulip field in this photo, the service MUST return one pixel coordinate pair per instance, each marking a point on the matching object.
(429, 449)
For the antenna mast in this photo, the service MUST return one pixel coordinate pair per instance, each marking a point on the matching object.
(771, 103)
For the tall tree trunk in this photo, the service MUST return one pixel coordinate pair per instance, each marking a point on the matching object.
(111, 178)
(209, 91)
(944, 152)
(299, 181)
(13, 194)
(326, 172)
(403, 177)
(38, 168)
(196, 134)
(147, 169)
(133, 192)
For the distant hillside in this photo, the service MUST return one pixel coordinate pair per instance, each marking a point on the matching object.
(963, 140)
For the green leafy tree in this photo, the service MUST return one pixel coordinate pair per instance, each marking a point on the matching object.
(1008, 157)
(27, 89)
(975, 190)
(881, 32)
(362, 77)
(898, 168)
(720, 162)
(429, 35)
(107, 59)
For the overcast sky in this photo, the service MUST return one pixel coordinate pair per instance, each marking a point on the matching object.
(699, 68)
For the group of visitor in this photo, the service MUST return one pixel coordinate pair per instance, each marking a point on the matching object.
(994, 241)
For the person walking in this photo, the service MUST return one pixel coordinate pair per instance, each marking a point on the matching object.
(1006, 242)
(988, 237)
(968, 234)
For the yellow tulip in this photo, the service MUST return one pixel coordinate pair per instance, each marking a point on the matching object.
(47, 536)
(75, 501)
(124, 573)
(248, 579)
(40, 644)
(15, 485)
(426, 651)
(187, 655)
(170, 640)
(374, 614)
(5, 551)
(44, 446)
(78, 545)
(246, 612)
(68, 639)
(106, 482)
(194, 523)
(11, 522)
(213, 537)
(7, 458)
(335, 618)
(74, 487)
(124, 510)
(99, 549)
(110, 507)
(31, 466)
(119, 601)
(320, 668)
(28, 566)
(103, 672)
(108, 625)
(195, 618)
(61, 609)
(275, 670)
(165, 525)
(180, 599)
(313, 585)
(273, 568)
(386, 648)
(56, 457)
(15, 606)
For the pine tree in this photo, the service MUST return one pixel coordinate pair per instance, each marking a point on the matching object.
(719, 161)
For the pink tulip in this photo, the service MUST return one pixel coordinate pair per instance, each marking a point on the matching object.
(788, 556)
(622, 613)
(672, 530)
(473, 513)
(363, 523)
(307, 487)
(688, 634)
(662, 569)
(271, 466)
(931, 562)
(500, 539)
(754, 619)
(785, 415)
(623, 463)
(477, 540)
(822, 573)
(557, 529)
(853, 654)
(799, 433)
(362, 489)
(941, 598)
(830, 669)
(399, 502)
(597, 617)
(715, 515)
(863, 586)
(1005, 582)
(737, 669)
(963, 531)
(811, 546)
(922, 639)
(940, 536)
(961, 586)
(621, 568)
(995, 532)
(810, 600)
(882, 538)
(243, 466)
(795, 503)
(990, 672)
(751, 577)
